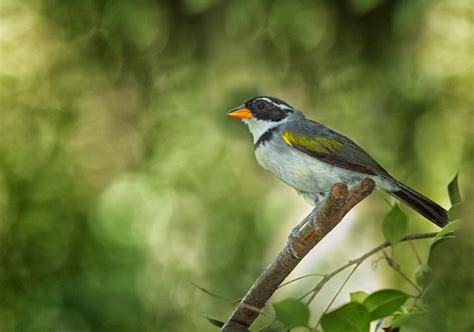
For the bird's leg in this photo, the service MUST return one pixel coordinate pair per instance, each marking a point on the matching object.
(311, 218)
(294, 234)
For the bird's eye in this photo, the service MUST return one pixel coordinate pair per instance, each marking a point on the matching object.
(260, 106)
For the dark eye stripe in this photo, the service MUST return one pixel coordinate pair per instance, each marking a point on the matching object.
(269, 108)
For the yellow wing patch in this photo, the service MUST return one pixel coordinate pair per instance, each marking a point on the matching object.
(324, 145)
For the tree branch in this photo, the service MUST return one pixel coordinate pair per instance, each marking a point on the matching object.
(359, 261)
(329, 214)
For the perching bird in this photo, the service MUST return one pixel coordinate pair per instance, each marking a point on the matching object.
(310, 157)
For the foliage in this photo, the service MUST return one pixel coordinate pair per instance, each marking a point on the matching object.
(352, 317)
(358, 296)
(215, 322)
(291, 312)
(454, 192)
(395, 225)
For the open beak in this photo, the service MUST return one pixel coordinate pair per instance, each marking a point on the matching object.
(240, 112)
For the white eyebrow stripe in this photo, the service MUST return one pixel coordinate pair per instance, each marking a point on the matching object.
(282, 106)
(266, 99)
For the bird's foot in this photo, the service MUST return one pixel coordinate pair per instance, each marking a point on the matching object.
(294, 235)
(313, 218)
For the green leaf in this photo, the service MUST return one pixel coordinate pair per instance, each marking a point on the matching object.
(451, 227)
(358, 296)
(453, 190)
(274, 327)
(455, 212)
(384, 302)
(352, 317)
(291, 312)
(215, 322)
(445, 234)
(435, 247)
(395, 225)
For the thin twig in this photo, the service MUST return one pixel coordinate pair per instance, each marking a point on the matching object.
(299, 278)
(337, 294)
(220, 297)
(394, 265)
(388, 203)
(415, 252)
(217, 296)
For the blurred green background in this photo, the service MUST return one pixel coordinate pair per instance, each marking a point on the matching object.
(122, 181)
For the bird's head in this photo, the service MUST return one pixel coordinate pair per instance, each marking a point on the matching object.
(263, 113)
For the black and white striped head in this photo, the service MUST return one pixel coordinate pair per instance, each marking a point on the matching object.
(263, 113)
(263, 108)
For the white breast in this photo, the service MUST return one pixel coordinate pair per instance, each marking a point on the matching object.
(295, 168)
(300, 171)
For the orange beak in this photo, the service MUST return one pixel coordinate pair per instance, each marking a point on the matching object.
(240, 112)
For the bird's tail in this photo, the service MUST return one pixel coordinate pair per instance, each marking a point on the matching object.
(425, 206)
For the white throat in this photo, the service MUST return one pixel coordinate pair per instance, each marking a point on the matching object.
(258, 127)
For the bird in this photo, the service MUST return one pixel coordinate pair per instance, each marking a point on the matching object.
(311, 157)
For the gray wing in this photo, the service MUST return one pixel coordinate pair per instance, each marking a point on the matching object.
(324, 144)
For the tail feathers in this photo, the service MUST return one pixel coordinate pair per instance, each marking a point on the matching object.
(422, 204)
